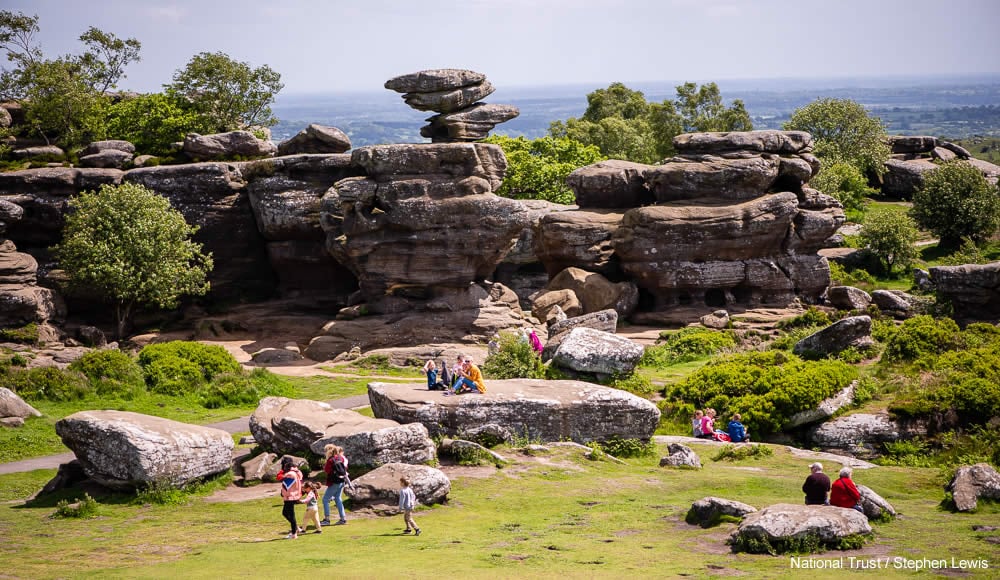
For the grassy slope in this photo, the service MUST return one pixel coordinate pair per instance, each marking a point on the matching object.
(564, 517)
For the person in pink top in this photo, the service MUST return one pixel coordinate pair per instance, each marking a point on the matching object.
(707, 424)
(291, 492)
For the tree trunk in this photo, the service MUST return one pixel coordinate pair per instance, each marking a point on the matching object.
(123, 319)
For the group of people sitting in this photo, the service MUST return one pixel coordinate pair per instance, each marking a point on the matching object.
(464, 377)
(703, 427)
(843, 492)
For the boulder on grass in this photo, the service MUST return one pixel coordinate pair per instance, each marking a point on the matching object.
(379, 488)
(11, 405)
(972, 483)
(680, 456)
(124, 450)
(707, 511)
(784, 526)
(853, 331)
(874, 505)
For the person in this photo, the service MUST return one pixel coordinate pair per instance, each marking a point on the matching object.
(312, 509)
(536, 343)
(843, 492)
(291, 491)
(430, 369)
(696, 423)
(522, 334)
(816, 486)
(707, 424)
(737, 432)
(336, 478)
(471, 378)
(408, 501)
(456, 373)
(493, 346)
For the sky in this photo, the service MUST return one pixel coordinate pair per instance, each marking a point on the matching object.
(341, 46)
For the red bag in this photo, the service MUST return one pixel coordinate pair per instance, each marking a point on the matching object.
(721, 436)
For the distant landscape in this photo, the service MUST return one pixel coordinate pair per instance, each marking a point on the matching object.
(955, 107)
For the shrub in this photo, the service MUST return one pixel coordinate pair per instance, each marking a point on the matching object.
(766, 388)
(919, 337)
(846, 183)
(839, 276)
(211, 360)
(46, 384)
(889, 235)
(686, 345)
(740, 452)
(812, 317)
(373, 362)
(633, 383)
(81, 508)
(152, 122)
(617, 447)
(956, 201)
(515, 359)
(237, 389)
(173, 376)
(27, 334)
(111, 373)
(968, 253)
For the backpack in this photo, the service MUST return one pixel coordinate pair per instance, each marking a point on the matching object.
(339, 474)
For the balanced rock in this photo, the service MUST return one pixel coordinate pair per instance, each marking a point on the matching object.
(539, 409)
(589, 351)
(706, 511)
(379, 488)
(226, 146)
(448, 101)
(433, 80)
(853, 331)
(126, 450)
(787, 522)
(469, 124)
(680, 456)
(316, 139)
(972, 483)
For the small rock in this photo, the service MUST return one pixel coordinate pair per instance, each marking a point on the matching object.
(680, 455)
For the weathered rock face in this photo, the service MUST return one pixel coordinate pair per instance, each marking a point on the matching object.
(972, 483)
(792, 522)
(595, 292)
(213, 197)
(454, 93)
(22, 301)
(125, 450)
(226, 146)
(610, 184)
(739, 179)
(589, 351)
(777, 142)
(316, 139)
(294, 426)
(902, 178)
(109, 158)
(853, 331)
(379, 488)
(580, 239)
(13, 406)
(707, 510)
(547, 410)
(109, 145)
(426, 217)
(50, 152)
(894, 302)
(851, 431)
(848, 298)
(680, 455)
(972, 289)
(874, 505)
(825, 409)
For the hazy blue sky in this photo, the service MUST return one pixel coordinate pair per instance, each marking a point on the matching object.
(340, 45)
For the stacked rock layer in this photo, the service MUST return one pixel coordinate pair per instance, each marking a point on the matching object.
(730, 221)
(455, 95)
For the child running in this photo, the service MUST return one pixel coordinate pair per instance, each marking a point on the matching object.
(311, 488)
(408, 501)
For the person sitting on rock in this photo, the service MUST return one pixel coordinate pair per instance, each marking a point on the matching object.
(737, 432)
(696, 423)
(816, 486)
(843, 492)
(456, 376)
(707, 424)
(471, 378)
(430, 369)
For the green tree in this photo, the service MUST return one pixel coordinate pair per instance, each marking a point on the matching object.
(106, 57)
(846, 183)
(843, 132)
(889, 235)
(226, 93)
(537, 169)
(17, 38)
(956, 201)
(152, 122)
(623, 125)
(126, 242)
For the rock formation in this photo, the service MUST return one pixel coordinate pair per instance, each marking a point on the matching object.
(379, 488)
(590, 352)
(547, 410)
(680, 456)
(913, 156)
(226, 146)
(850, 332)
(22, 301)
(316, 139)
(779, 523)
(972, 483)
(13, 409)
(972, 289)
(126, 450)
(454, 95)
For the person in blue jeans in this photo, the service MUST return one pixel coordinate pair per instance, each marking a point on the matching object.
(336, 478)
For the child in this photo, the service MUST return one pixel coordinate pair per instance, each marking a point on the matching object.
(291, 491)
(708, 424)
(737, 432)
(408, 501)
(696, 424)
(430, 369)
(312, 507)
(456, 373)
(536, 343)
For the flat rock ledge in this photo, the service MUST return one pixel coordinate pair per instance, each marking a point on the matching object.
(124, 450)
(539, 409)
(782, 525)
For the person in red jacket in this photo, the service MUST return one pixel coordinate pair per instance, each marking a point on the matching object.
(843, 492)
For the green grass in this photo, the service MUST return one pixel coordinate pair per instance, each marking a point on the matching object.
(565, 517)
(38, 437)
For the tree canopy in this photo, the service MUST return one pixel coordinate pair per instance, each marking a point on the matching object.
(126, 242)
(955, 202)
(889, 235)
(622, 124)
(537, 169)
(226, 93)
(844, 132)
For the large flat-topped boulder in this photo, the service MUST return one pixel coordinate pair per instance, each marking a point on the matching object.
(451, 160)
(126, 450)
(781, 142)
(729, 179)
(610, 184)
(784, 524)
(432, 80)
(293, 426)
(227, 145)
(547, 410)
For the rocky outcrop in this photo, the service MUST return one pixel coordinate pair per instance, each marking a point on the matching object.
(972, 289)
(316, 139)
(593, 352)
(22, 301)
(379, 488)
(454, 94)
(850, 332)
(781, 523)
(538, 409)
(972, 483)
(914, 155)
(610, 184)
(848, 298)
(680, 456)
(708, 510)
(124, 450)
(580, 239)
(229, 145)
(287, 426)
(903, 177)
(594, 292)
